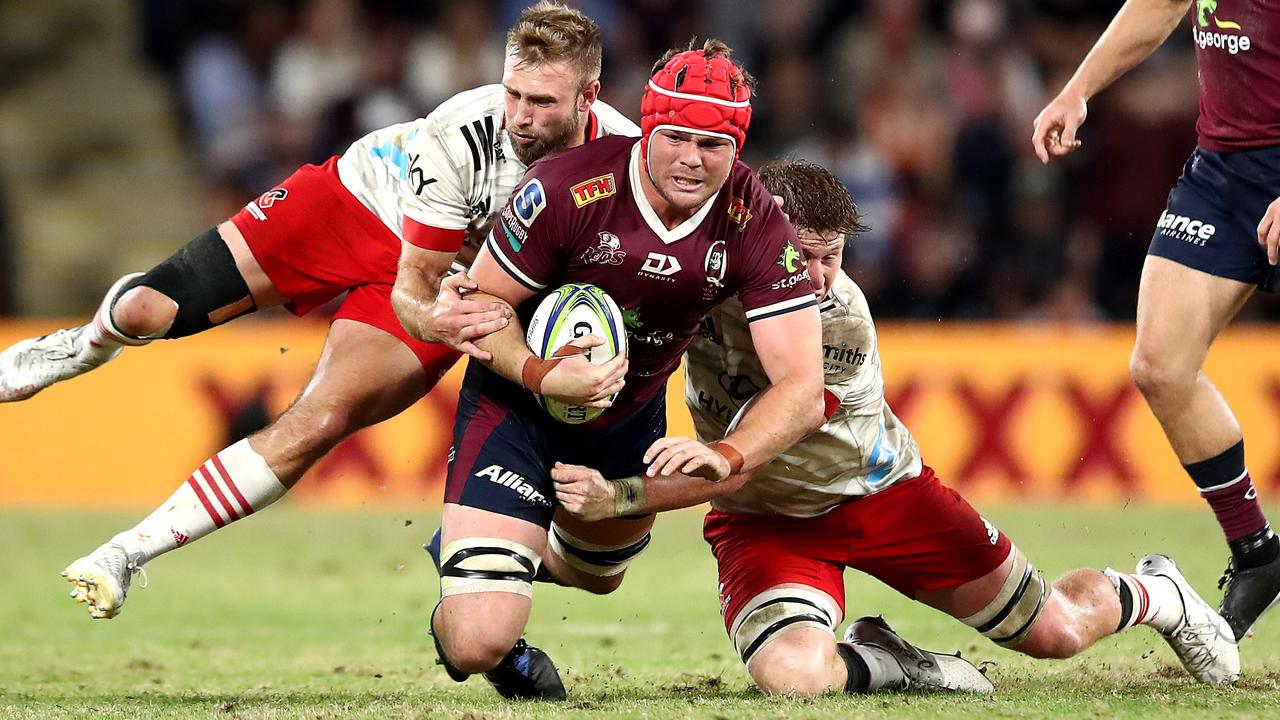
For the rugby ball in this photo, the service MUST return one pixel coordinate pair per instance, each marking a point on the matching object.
(572, 311)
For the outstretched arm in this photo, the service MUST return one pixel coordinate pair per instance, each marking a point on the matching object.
(588, 495)
(1134, 33)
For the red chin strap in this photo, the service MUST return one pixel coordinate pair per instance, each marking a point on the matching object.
(696, 94)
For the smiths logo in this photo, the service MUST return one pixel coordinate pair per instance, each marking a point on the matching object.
(739, 213)
(589, 191)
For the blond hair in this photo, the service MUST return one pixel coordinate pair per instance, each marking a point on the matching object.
(553, 33)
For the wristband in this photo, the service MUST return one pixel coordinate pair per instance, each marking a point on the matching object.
(535, 368)
(628, 496)
(730, 453)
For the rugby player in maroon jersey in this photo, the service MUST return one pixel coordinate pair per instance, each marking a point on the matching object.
(1217, 241)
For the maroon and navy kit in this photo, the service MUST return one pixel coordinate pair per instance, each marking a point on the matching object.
(1211, 220)
(581, 216)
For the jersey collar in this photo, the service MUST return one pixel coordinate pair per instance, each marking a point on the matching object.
(667, 236)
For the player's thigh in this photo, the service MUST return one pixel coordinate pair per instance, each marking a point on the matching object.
(363, 377)
(920, 536)
(487, 565)
(263, 291)
(771, 580)
(1180, 312)
(594, 556)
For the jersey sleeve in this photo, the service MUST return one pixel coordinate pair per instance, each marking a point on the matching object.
(527, 239)
(435, 199)
(775, 280)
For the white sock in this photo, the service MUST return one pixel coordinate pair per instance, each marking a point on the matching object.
(228, 486)
(884, 669)
(1147, 600)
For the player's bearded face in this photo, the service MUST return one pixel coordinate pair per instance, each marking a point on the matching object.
(688, 168)
(544, 108)
(823, 254)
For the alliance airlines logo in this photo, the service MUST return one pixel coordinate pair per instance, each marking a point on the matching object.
(1206, 37)
(1187, 229)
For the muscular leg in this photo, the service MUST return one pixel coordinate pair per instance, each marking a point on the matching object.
(594, 556)
(215, 276)
(802, 660)
(477, 625)
(364, 376)
(1180, 312)
(145, 312)
(1083, 607)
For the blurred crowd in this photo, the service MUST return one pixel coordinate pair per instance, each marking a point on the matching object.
(923, 107)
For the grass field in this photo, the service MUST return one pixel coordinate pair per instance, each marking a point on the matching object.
(308, 614)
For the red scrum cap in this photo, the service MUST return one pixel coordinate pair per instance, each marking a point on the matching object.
(694, 93)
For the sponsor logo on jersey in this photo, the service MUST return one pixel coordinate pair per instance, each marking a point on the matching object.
(257, 208)
(739, 213)
(789, 258)
(662, 266)
(512, 231)
(529, 201)
(514, 481)
(607, 251)
(406, 163)
(1184, 228)
(841, 360)
(1206, 36)
(716, 263)
(589, 191)
(791, 281)
(631, 319)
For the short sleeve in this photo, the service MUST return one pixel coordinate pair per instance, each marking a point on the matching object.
(775, 279)
(527, 239)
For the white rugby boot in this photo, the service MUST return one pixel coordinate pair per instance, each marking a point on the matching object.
(102, 579)
(1203, 641)
(923, 670)
(32, 365)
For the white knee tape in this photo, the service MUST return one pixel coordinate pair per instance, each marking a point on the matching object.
(1013, 612)
(476, 565)
(772, 611)
(592, 558)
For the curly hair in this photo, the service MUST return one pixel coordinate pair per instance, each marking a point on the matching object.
(550, 33)
(812, 197)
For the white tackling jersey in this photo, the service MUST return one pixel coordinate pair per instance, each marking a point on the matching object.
(862, 450)
(452, 169)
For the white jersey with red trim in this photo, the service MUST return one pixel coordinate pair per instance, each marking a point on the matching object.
(451, 170)
(862, 449)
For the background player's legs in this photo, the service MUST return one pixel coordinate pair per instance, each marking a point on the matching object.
(594, 556)
(212, 279)
(483, 608)
(1180, 312)
(364, 376)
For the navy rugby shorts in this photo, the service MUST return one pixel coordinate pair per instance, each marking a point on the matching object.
(505, 444)
(1211, 220)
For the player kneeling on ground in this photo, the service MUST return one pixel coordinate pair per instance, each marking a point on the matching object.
(857, 495)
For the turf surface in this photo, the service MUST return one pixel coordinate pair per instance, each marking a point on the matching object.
(308, 614)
